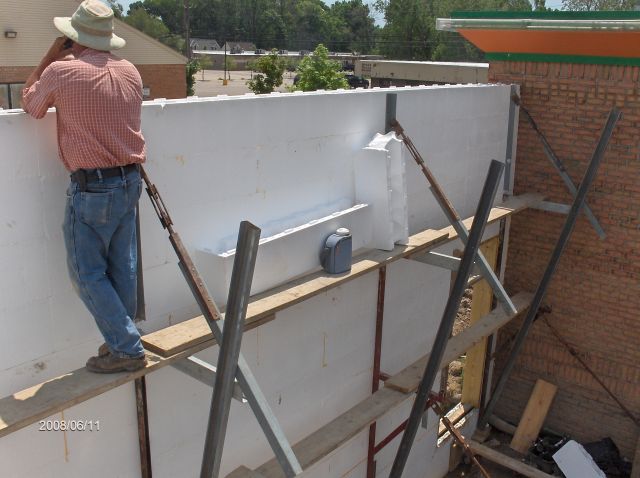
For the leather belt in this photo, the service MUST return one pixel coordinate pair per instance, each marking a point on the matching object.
(84, 176)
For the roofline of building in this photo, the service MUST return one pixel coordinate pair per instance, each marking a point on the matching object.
(181, 58)
(549, 15)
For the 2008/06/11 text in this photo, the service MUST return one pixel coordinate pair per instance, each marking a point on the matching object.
(69, 425)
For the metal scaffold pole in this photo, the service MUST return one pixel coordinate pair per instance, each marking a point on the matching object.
(565, 234)
(238, 301)
(249, 385)
(448, 317)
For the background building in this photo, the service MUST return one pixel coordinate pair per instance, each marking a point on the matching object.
(385, 73)
(28, 31)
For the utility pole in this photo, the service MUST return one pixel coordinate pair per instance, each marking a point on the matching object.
(185, 4)
(224, 78)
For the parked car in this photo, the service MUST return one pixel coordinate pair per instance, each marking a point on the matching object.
(357, 81)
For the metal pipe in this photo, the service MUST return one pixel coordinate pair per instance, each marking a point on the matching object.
(143, 427)
(377, 353)
(448, 317)
(390, 111)
(239, 291)
(562, 171)
(565, 234)
(141, 313)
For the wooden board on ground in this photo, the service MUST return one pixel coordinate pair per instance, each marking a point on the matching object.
(339, 431)
(262, 307)
(409, 379)
(506, 461)
(533, 416)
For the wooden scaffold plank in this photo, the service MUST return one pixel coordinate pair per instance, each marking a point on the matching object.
(182, 340)
(339, 431)
(263, 307)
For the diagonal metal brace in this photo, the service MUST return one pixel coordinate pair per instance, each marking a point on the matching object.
(543, 285)
(257, 401)
(454, 218)
(562, 171)
(204, 373)
(448, 317)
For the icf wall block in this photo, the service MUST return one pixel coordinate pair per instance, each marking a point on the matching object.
(380, 181)
(289, 253)
(111, 426)
(458, 134)
(271, 157)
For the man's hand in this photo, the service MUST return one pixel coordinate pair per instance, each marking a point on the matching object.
(57, 50)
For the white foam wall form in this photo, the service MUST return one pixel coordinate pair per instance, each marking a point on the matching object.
(277, 159)
(287, 254)
(381, 182)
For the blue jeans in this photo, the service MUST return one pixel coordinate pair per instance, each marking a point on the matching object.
(100, 236)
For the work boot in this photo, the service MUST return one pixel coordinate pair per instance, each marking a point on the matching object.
(111, 364)
(103, 350)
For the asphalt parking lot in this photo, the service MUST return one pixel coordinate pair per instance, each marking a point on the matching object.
(212, 85)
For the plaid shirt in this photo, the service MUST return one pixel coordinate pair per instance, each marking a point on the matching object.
(98, 100)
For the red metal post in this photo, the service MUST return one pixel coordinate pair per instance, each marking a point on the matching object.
(375, 384)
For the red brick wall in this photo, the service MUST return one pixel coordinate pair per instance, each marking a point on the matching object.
(595, 293)
(165, 81)
(15, 74)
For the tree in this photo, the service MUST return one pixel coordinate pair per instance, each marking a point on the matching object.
(318, 72)
(410, 33)
(594, 5)
(191, 68)
(140, 19)
(205, 63)
(409, 25)
(116, 7)
(270, 70)
(356, 26)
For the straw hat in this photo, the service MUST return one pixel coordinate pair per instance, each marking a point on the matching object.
(91, 26)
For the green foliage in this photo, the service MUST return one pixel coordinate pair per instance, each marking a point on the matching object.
(318, 72)
(270, 70)
(205, 63)
(347, 25)
(281, 24)
(229, 63)
(154, 27)
(192, 67)
(116, 7)
(410, 33)
(355, 26)
(594, 5)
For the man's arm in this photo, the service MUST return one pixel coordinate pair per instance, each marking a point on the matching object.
(39, 92)
(54, 53)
